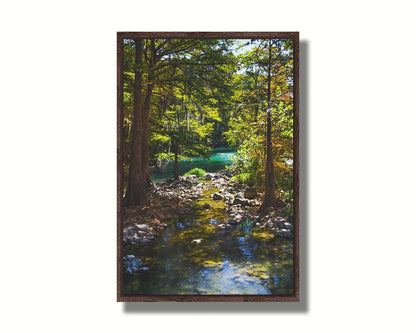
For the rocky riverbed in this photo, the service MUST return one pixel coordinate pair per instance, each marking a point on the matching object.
(171, 200)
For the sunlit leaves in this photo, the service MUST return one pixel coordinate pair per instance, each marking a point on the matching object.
(247, 124)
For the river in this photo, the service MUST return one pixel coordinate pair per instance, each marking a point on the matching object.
(219, 159)
(194, 257)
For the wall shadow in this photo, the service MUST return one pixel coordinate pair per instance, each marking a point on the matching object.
(304, 248)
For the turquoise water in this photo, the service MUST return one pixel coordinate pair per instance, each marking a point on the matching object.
(219, 159)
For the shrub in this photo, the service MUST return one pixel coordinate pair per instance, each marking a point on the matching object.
(244, 178)
(196, 171)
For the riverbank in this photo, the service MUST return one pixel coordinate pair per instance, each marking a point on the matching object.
(204, 236)
(219, 159)
(226, 204)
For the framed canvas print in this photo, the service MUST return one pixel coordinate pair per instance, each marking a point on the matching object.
(208, 194)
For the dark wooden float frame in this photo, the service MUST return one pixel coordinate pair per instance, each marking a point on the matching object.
(206, 298)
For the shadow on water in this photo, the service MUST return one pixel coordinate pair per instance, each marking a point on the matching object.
(288, 307)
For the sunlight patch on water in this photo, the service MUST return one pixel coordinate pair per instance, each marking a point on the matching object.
(228, 278)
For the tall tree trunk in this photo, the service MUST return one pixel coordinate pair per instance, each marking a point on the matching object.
(257, 107)
(176, 152)
(136, 192)
(270, 195)
(147, 183)
(145, 137)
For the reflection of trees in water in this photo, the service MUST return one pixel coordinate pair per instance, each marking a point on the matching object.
(228, 262)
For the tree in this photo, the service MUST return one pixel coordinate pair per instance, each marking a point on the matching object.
(262, 120)
(158, 65)
(270, 194)
(282, 81)
(139, 177)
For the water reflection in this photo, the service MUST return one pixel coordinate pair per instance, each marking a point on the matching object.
(220, 157)
(224, 262)
(193, 256)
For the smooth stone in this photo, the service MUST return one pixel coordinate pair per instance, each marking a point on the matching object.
(217, 196)
(241, 201)
(286, 233)
(288, 225)
(144, 240)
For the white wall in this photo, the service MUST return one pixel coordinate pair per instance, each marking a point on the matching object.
(58, 166)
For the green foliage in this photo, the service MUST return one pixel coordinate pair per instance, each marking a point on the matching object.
(248, 119)
(244, 178)
(204, 96)
(196, 171)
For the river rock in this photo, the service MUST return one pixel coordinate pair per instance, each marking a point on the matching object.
(241, 201)
(217, 196)
(288, 225)
(270, 224)
(207, 206)
(228, 197)
(285, 233)
(144, 240)
(133, 264)
(226, 172)
(209, 176)
(234, 222)
(234, 218)
(141, 226)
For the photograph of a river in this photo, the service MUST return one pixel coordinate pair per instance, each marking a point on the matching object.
(195, 254)
(207, 167)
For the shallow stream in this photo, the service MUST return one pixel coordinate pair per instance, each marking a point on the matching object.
(193, 256)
